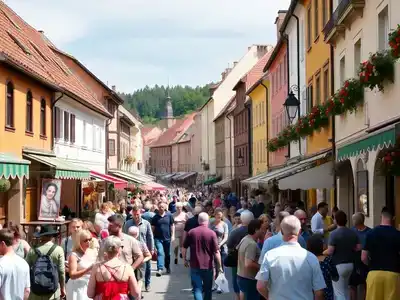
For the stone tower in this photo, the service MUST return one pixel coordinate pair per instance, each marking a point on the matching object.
(168, 119)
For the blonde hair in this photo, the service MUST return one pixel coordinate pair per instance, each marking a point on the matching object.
(78, 237)
(112, 244)
(87, 225)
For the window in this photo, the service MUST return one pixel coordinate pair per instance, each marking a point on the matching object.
(324, 12)
(10, 105)
(318, 90)
(357, 57)
(72, 128)
(58, 122)
(309, 26)
(383, 29)
(111, 107)
(29, 112)
(309, 98)
(326, 85)
(43, 117)
(342, 70)
(125, 128)
(282, 66)
(84, 134)
(66, 126)
(316, 18)
(362, 188)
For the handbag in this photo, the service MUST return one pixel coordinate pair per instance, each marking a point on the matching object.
(154, 256)
(231, 260)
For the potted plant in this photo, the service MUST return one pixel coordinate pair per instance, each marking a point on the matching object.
(129, 159)
(5, 185)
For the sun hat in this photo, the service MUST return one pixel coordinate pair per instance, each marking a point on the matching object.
(46, 230)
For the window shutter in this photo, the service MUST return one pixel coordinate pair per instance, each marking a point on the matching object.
(57, 121)
(66, 126)
(72, 128)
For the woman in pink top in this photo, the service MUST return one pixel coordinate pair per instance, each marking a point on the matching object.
(180, 218)
(217, 202)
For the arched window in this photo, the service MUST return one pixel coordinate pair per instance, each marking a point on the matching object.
(362, 188)
(10, 105)
(29, 112)
(43, 117)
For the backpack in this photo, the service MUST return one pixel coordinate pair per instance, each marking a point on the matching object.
(44, 274)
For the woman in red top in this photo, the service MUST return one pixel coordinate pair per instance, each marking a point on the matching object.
(112, 279)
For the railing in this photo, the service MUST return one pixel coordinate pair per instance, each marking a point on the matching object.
(339, 11)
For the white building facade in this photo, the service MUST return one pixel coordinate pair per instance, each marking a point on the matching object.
(297, 66)
(80, 135)
(365, 136)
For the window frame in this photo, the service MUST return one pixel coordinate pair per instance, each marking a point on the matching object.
(10, 105)
(43, 117)
(316, 19)
(325, 84)
(29, 113)
(318, 90)
(309, 26)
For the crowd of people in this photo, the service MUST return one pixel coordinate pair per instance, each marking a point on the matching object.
(273, 252)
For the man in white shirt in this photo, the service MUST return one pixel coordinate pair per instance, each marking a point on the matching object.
(14, 271)
(317, 221)
(289, 271)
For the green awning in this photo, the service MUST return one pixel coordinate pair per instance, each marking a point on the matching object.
(378, 141)
(211, 180)
(63, 169)
(129, 176)
(12, 167)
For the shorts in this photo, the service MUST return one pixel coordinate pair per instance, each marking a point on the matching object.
(358, 276)
(248, 287)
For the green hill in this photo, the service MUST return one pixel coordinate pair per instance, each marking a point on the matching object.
(149, 102)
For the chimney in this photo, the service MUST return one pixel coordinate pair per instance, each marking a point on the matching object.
(235, 63)
(41, 31)
(223, 75)
(114, 88)
(279, 20)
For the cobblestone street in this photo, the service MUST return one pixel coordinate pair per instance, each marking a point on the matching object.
(177, 286)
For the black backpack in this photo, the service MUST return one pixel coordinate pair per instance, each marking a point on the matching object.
(44, 274)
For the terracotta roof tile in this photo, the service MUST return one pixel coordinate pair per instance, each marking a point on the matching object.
(24, 46)
(172, 134)
(255, 73)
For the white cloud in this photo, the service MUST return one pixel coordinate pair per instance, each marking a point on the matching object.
(132, 43)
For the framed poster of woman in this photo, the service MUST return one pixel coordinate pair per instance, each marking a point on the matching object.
(50, 199)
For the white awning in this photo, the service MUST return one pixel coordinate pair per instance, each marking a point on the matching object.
(303, 178)
(253, 181)
(223, 182)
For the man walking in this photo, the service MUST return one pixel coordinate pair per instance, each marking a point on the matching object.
(14, 270)
(48, 247)
(204, 250)
(145, 236)
(320, 222)
(289, 271)
(248, 265)
(163, 230)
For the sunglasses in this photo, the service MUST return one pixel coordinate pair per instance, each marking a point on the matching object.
(87, 240)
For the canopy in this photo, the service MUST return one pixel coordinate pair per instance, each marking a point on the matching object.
(224, 182)
(63, 168)
(153, 186)
(211, 180)
(187, 175)
(119, 184)
(129, 176)
(13, 167)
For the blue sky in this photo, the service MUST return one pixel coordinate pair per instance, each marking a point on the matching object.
(131, 43)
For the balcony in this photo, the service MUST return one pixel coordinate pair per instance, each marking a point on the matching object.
(343, 16)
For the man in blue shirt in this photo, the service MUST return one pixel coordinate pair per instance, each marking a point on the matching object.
(277, 240)
(164, 230)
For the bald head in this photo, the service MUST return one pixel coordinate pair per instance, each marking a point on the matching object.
(301, 215)
(203, 218)
(290, 226)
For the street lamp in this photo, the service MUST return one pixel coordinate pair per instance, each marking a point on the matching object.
(292, 104)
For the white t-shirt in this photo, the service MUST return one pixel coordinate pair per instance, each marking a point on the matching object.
(14, 277)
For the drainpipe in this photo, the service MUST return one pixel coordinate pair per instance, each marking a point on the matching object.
(267, 119)
(250, 137)
(286, 37)
(230, 146)
(333, 139)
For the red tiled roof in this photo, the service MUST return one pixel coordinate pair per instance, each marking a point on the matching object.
(146, 130)
(23, 46)
(172, 134)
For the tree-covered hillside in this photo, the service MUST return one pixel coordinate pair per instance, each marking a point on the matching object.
(150, 102)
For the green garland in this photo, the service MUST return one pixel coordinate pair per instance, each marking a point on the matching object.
(373, 73)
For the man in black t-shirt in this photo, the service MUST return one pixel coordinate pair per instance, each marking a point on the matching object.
(381, 253)
(190, 224)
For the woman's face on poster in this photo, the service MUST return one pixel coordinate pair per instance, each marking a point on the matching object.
(50, 192)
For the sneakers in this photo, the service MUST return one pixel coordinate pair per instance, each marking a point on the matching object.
(168, 271)
(147, 288)
(176, 261)
(159, 273)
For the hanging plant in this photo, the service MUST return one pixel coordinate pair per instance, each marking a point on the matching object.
(391, 163)
(129, 160)
(394, 42)
(377, 69)
(5, 185)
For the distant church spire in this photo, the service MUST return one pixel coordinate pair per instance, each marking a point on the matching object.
(169, 113)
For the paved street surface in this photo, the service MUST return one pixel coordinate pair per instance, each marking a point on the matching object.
(177, 285)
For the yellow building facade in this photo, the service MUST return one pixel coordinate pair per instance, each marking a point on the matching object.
(318, 80)
(25, 121)
(259, 101)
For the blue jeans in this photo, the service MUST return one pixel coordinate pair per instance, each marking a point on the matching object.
(248, 287)
(202, 281)
(163, 254)
(147, 273)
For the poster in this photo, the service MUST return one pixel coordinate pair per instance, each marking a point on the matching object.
(49, 206)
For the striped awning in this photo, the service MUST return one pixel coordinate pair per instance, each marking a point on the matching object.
(62, 168)
(13, 167)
